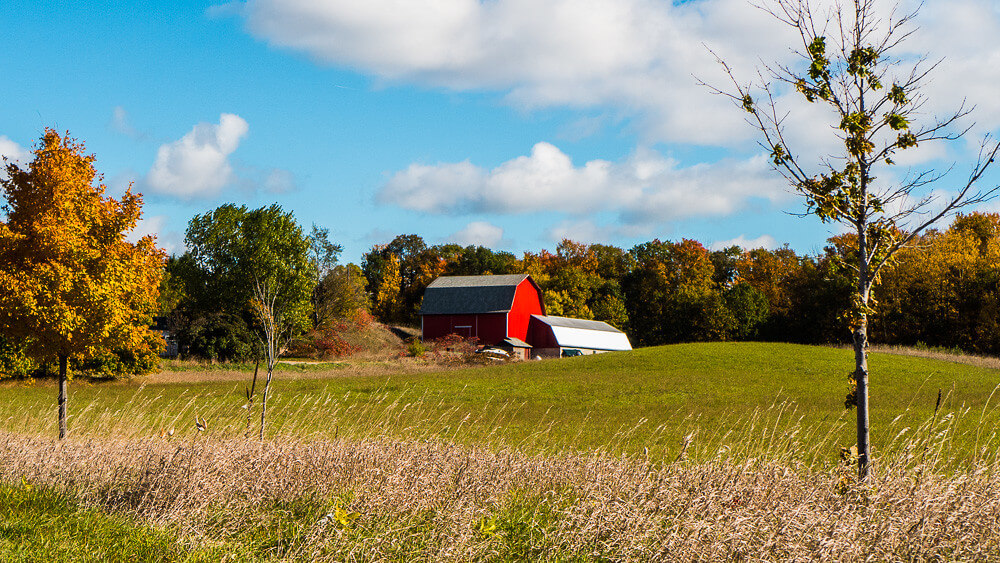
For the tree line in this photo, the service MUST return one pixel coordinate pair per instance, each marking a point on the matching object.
(253, 283)
(247, 269)
(943, 291)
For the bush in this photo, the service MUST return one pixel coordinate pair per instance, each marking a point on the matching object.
(415, 348)
(332, 345)
(328, 342)
(118, 364)
(218, 337)
(13, 362)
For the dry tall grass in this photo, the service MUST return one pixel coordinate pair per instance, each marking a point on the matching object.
(753, 499)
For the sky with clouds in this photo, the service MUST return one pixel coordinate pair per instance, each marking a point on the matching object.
(507, 123)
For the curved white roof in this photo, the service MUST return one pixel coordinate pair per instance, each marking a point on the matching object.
(580, 333)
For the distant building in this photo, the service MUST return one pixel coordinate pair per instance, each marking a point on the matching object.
(509, 312)
(162, 326)
(554, 337)
(490, 308)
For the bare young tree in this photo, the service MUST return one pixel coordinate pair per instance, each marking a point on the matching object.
(848, 61)
(275, 256)
(275, 331)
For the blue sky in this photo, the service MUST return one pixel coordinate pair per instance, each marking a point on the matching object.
(509, 123)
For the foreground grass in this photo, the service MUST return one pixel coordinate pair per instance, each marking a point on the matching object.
(731, 452)
(384, 499)
(40, 524)
(655, 401)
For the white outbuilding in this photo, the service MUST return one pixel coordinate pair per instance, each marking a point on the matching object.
(560, 336)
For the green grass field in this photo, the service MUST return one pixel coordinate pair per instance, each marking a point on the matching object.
(646, 400)
(42, 525)
(759, 427)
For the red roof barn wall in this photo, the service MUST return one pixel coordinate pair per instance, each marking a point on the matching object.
(488, 327)
(527, 302)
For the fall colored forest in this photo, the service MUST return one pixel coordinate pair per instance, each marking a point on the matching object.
(943, 292)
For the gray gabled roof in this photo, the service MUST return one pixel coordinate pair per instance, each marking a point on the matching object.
(461, 295)
(576, 323)
(516, 342)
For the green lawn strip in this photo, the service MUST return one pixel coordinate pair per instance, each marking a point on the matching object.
(647, 400)
(42, 525)
(296, 366)
(520, 526)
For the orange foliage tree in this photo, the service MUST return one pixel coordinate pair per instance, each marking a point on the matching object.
(73, 285)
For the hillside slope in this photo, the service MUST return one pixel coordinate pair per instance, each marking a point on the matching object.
(651, 399)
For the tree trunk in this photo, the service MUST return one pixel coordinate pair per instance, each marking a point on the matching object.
(250, 393)
(263, 398)
(62, 396)
(861, 395)
(861, 356)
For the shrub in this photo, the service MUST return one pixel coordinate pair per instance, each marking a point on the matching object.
(218, 337)
(332, 345)
(13, 362)
(121, 363)
(415, 348)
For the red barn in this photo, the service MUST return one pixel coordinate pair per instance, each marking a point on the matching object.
(490, 308)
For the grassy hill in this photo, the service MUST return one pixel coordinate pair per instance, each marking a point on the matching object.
(654, 399)
(759, 427)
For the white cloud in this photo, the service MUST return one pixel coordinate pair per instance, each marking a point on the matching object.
(13, 152)
(478, 233)
(645, 189)
(635, 57)
(156, 225)
(121, 123)
(964, 34)
(197, 165)
(763, 241)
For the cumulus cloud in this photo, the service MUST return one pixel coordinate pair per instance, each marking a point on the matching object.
(763, 241)
(121, 123)
(156, 225)
(962, 33)
(13, 152)
(644, 189)
(197, 165)
(478, 233)
(635, 57)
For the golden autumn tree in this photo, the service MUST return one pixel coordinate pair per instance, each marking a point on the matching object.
(73, 286)
(387, 298)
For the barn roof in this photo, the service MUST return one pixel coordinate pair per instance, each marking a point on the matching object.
(460, 295)
(576, 323)
(516, 342)
(579, 333)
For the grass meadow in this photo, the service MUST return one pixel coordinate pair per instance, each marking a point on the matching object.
(699, 452)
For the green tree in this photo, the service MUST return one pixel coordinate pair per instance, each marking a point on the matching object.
(259, 260)
(73, 286)
(671, 297)
(342, 294)
(748, 308)
(323, 254)
(874, 97)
